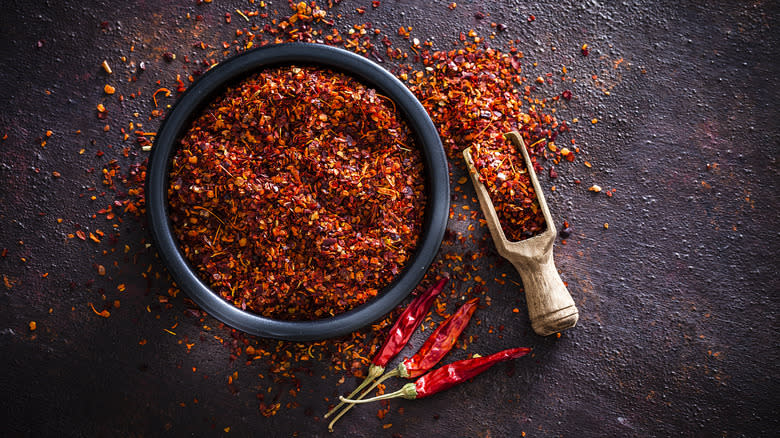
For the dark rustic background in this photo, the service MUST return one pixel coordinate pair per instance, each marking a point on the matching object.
(678, 297)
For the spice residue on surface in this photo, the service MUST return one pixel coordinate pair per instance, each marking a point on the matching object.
(298, 194)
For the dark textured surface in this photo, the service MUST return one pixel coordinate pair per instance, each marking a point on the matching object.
(678, 297)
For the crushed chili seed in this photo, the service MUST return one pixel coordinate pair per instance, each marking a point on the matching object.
(501, 168)
(298, 194)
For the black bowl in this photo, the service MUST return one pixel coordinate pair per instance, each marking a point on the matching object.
(208, 87)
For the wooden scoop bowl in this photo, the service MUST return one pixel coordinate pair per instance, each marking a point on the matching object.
(550, 306)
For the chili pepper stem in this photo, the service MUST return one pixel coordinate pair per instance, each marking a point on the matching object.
(374, 371)
(394, 373)
(407, 391)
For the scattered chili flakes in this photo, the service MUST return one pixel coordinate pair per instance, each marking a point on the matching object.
(33, 326)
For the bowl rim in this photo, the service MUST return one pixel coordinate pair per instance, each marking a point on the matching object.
(208, 86)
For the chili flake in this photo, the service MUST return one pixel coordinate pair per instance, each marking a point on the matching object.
(298, 194)
(502, 170)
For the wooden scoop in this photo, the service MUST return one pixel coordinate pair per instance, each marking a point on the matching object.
(550, 306)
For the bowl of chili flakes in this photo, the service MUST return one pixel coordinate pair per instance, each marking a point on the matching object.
(297, 191)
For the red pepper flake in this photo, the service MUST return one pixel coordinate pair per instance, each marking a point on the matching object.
(33, 326)
(335, 170)
(566, 94)
(104, 313)
(585, 50)
(160, 90)
(180, 88)
(80, 234)
(501, 168)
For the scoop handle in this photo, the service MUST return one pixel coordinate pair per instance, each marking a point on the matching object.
(550, 306)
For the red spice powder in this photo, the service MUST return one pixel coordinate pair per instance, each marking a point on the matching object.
(298, 194)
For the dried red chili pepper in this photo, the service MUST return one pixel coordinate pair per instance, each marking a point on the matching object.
(438, 344)
(447, 376)
(400, 334)
(405, 325)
